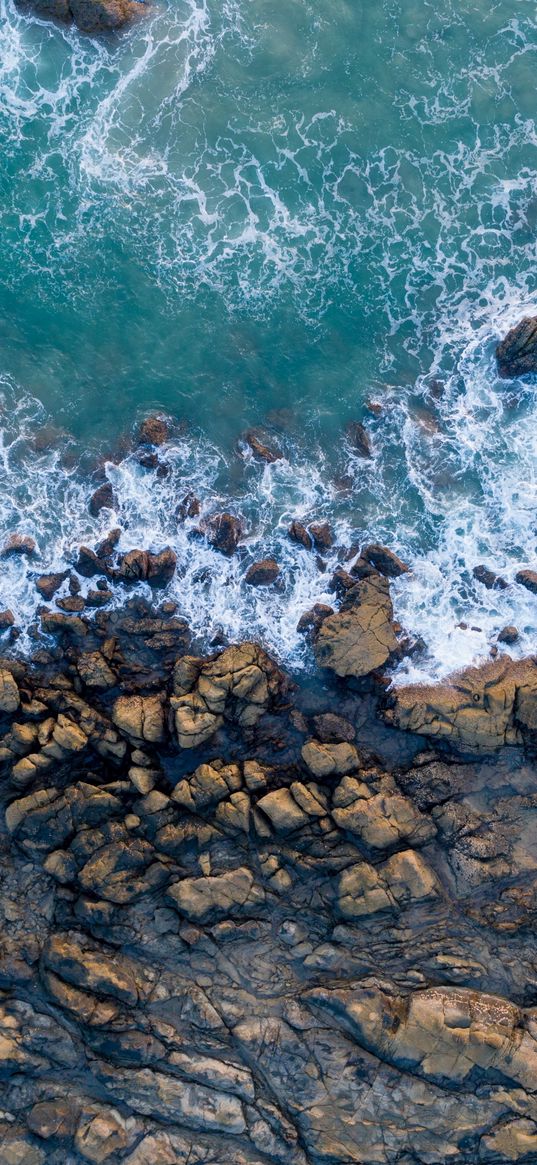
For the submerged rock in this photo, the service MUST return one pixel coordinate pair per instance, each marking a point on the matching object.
(516, 355)
(359, 439)
(155, 429)
(102, 499)
(261, 447)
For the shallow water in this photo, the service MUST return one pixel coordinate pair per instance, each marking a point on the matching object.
(242, 208)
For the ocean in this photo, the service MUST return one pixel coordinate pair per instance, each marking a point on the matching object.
(288, 216)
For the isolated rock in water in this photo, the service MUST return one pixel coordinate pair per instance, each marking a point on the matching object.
(48, 584)
(360, 637)
(528, 579)
(7, 619)
(93, 16)
(479, 710)
(358, 437)
(18, 544)
(223, 531)
(102, 499)
(516, 355)
(508, 634)
(261, 447)
(384, 560)
(263, 573)
(155, 430)
(490, 580)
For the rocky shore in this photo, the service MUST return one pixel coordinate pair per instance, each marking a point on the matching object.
(253, 918)
(255, 921)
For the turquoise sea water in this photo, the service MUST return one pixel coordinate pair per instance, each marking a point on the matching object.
(251, 213)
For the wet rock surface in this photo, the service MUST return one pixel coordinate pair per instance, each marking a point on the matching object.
(516, 355)
(244, 921)
(90, 16)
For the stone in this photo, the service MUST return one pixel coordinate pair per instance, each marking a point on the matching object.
(238, 685)
(298, 533)
(18, 544)
(331, 728)
(360, 639)
(311, 620)
(508, 634)
(102, 499)
(263, 573)
(477, 711)
(282, 810)
(359, 439)
(330, 759)
(516, 355)
(53, 1118)
(140, 717)
(382, 820)
(221, 896)
(7, 619)
(261, 448)
(97, 16)
(155, 429)
(384, 560)
(323, 538)
(48, 584)
(9, 692)
(401, 881)
(489, 579)
(223, 531)
(528, 579)
(95, 672)
(102, 1136)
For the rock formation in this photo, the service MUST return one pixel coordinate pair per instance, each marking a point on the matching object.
(90, 16)
(516, 355)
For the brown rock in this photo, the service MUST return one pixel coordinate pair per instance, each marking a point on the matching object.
(489, 579)
(7, 619)
(140, 717)
(311, 620)
(478, 710)
(18, 544)
(358, 640)
(322, 535)
(53, 1118)
(155, 430)
(96, 16)
(528, 579)
(508, 634)
(384, 560)
(223, 531)
(298, 533)
(263, 573)
(48, 584)
(260, 448)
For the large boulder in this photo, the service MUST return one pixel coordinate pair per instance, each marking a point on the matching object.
(238, 685)
(360, 637)
(93, 16)
(476, 711)
(516, 355)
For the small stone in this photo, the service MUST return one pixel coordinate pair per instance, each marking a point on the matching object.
(7, 619)
(223, 531)
(260, 448)
(48, 584)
